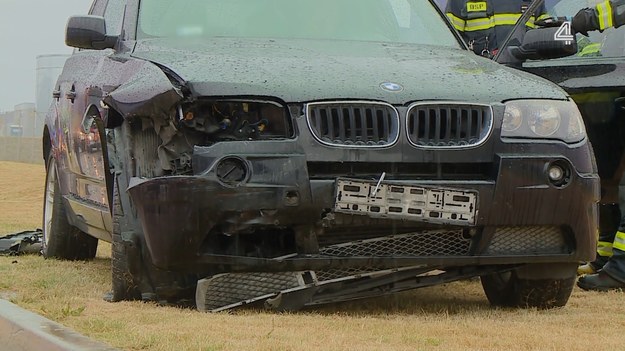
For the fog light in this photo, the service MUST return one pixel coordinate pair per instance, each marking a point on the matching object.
(559, 173)
(556, 173)
(232, 171)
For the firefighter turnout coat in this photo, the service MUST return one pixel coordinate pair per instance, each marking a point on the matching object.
(484, 24)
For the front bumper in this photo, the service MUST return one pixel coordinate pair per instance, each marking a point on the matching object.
(177, 214)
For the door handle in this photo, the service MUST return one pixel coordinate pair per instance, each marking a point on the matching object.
(70, 95)
(56, 94)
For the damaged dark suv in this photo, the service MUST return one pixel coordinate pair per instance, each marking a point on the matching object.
(294, 153)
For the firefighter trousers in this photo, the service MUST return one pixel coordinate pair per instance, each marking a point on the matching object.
(615, 266)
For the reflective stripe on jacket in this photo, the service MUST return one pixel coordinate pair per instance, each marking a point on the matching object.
(610, 13)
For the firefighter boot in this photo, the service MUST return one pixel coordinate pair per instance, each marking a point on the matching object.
(599, 282)
(609, 218)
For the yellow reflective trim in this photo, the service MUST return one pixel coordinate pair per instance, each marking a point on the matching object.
(457, 22)
(500, 22)
(604, 248)
(506, 19)
(505, 22)
(530, 22)
(619, 241)
(619, 246)
(476, 6)
(593, 47)
(604, 244)
(543, 16)
(590, 49)
(605, 253)
(507, 16)
(479, 24)
(604, 12)
(475, 28)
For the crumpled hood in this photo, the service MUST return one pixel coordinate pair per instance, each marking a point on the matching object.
(308, 70)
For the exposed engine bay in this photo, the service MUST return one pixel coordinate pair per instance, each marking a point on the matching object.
(206, 122)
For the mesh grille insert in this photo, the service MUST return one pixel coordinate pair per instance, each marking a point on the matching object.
(528, 240)
(428, 243)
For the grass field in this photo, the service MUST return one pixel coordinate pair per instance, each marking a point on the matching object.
(450, 317)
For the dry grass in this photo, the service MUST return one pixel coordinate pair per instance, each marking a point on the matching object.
(21, 196)
(450, 317)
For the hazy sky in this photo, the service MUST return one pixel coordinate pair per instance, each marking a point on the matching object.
(29, 28)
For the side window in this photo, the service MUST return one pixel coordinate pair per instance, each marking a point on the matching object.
(114, 14)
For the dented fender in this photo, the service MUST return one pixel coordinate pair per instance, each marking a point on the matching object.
(146, 91)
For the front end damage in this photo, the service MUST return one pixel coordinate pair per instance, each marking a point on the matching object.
(301, 204)
(186, 219)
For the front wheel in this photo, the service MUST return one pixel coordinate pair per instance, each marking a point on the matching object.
(507, 289)
(60, 238)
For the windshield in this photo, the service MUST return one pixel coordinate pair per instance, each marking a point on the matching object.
(397, 21)
(609, 43)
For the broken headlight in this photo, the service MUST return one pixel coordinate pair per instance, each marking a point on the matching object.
(543, 119)
(230, 120)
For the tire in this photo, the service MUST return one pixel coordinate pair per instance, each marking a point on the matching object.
(124, 283)
(508, 290)
(61, 239)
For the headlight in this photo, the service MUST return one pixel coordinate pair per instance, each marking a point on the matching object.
(512, 118)
(543, 119)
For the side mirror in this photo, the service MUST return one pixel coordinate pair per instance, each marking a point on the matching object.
(88, 32)
(539, 44)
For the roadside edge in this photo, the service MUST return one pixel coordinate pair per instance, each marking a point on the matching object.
(24, 330)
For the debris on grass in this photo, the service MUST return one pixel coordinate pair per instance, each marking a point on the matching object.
(26, 242)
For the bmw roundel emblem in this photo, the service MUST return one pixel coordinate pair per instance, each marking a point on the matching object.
(394, 87)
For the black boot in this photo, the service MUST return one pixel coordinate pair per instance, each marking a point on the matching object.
(599, 282)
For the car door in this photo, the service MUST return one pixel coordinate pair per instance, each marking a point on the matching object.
(79, 95)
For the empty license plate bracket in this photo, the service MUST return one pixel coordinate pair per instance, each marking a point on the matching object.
(419, 203)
